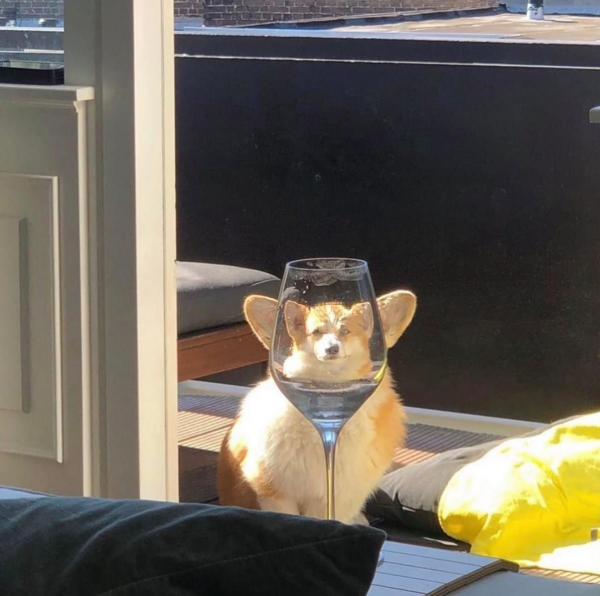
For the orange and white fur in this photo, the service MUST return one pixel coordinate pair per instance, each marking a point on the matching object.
(272, 458)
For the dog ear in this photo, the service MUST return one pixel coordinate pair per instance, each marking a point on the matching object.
(362, 313)
(397, 310)
(260, 313)
(295, 319)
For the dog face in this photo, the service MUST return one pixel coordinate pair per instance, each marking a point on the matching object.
(330, 331)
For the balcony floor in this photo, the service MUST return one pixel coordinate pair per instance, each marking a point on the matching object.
(204, 420)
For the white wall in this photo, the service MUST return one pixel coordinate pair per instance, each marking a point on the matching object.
(45, 434)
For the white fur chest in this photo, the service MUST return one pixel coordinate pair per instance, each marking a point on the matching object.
(285, 450)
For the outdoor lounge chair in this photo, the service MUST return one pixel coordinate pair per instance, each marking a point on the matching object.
(212, 334)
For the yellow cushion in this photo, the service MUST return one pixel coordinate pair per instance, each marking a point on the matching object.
(532, 500)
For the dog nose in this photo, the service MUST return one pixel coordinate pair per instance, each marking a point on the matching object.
(332, 350)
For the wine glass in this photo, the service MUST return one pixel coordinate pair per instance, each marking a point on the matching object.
(328, 353)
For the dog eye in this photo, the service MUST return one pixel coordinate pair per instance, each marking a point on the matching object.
(317, 333)
(344, 331)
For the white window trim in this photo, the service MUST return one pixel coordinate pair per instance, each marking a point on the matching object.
(125, 50)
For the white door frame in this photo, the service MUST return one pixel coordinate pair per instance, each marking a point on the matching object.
(125, 50)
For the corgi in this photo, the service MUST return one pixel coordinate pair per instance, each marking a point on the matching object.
(272, 458)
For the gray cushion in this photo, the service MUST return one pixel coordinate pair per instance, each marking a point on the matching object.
(213, 295)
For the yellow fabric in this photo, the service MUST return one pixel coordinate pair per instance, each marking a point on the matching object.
(532, 500)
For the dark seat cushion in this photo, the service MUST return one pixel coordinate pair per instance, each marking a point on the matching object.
(410, 496)
(213, 295)
(63, 546)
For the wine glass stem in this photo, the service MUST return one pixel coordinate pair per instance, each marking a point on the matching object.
(329, 438)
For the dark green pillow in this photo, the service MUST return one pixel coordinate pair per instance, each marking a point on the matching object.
(53, 546)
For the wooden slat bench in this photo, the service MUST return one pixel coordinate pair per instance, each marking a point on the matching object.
(219, 350)
(424, 571)
(410, 570)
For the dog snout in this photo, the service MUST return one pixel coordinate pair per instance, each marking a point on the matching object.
(332, 350)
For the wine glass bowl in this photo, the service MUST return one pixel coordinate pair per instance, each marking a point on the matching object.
(328, 352)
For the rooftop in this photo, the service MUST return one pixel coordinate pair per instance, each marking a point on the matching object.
(582, 29)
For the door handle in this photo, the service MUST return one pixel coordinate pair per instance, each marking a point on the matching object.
(595, 115)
